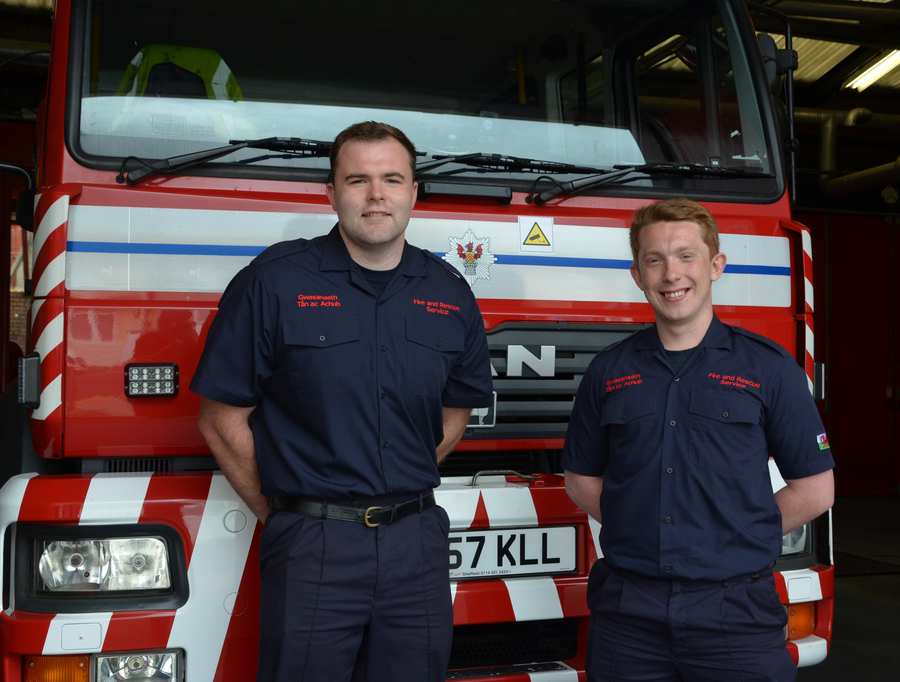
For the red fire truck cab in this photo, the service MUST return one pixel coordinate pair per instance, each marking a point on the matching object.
(541, 126)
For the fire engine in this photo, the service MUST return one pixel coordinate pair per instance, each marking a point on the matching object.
(178, 140)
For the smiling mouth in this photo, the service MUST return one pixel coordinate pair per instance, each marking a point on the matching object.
(376, 214)
(674, 295)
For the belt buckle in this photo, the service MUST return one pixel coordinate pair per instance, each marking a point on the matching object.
(366, 521)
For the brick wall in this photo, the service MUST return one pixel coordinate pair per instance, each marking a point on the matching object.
(18, 317)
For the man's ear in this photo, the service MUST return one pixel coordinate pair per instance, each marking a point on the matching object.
(329, 192)
(718, 265)
(636, 275)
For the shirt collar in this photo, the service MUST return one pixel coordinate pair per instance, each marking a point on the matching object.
(336, 257)
(717, 336)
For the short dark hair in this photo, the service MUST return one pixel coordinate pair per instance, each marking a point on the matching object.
(370, 131)
(672, 210)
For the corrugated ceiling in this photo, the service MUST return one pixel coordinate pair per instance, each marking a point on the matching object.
(817, 57)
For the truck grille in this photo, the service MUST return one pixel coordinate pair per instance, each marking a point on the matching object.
(534, 392)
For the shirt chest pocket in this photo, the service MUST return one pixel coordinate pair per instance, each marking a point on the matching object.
(726, 429)
(321, 347)
(631, 431)
(431, 351)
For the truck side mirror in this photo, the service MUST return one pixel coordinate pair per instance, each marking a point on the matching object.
(776, 61)
(25, 203)
(25, 209)
(769, 52)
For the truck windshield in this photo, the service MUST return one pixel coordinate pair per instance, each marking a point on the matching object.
(588, 84)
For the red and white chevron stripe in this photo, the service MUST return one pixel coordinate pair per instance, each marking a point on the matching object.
(47, 317)
(498, 503)
(218, 625)
(217, 531)
(809, 306)
(51, 215)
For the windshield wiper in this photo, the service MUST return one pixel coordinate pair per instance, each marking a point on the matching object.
(620, 173)
(495, 163)
(290, 147)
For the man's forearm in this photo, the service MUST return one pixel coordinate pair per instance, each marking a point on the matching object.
(455, 420)
(231, 442)
(803, 499)
(585, 491)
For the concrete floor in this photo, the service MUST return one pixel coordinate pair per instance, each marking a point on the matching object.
(866, 644)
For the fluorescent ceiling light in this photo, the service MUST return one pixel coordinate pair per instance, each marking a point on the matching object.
(876, 72)
(29, 4)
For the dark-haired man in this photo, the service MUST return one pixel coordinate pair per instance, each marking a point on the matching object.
(330, 395)
(674, 461)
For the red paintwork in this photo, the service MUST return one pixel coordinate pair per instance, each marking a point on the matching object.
(239, 653)
(106, 331)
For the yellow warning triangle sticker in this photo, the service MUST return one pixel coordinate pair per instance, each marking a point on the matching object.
(536, 237)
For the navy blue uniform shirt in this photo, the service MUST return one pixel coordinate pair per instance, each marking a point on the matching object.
(684, 457)
(347, 384)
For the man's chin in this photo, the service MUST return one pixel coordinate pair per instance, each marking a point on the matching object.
(672, 313)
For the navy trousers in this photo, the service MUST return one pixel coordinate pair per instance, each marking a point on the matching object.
(344, 603)
(676, 631)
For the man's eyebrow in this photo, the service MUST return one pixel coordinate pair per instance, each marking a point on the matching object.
(365, 176)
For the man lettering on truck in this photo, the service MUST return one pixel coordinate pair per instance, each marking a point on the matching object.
(668, 445)
(329, 396)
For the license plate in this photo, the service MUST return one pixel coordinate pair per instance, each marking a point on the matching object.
(511, 552)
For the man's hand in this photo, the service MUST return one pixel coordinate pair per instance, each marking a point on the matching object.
(455, 420)
(585, 491)
(803, 499)
(228, 435)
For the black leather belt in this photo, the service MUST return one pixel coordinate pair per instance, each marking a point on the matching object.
(691, 583)
(370, 516)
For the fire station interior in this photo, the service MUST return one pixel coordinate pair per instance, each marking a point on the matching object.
(846, 91)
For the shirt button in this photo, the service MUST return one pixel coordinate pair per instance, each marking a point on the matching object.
(667, 519)
(669, 470)
(672, 423)
(667, 568)
(676, 379)
(725, 414)
(321, 338)
(385, 444)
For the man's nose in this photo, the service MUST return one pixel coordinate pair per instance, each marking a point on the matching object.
(376, 190)
(672, 271)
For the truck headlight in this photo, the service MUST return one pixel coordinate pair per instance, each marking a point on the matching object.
(796, 541)
(138, 666)
(104, 564)
(92, 569)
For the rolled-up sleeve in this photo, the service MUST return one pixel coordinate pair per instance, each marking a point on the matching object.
(794, 430)
(470, 383)
(585, 450)
(239, 351)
